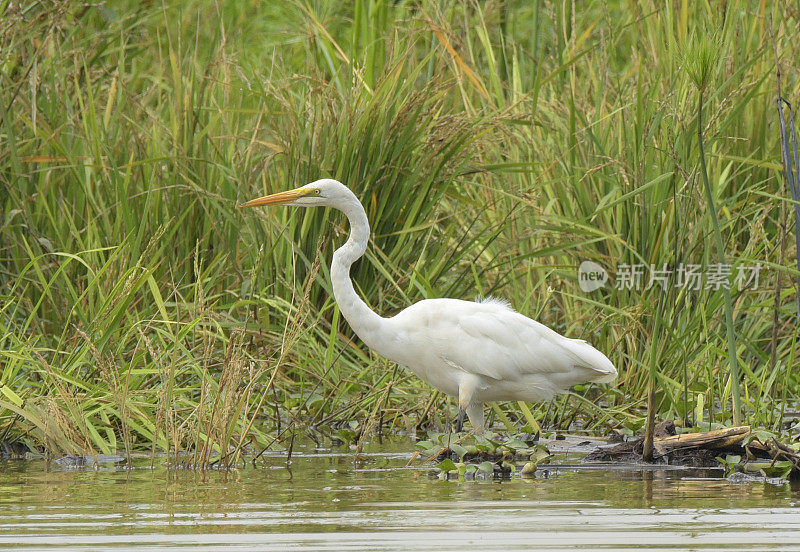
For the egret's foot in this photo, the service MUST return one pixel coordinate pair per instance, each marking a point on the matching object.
(460, 420)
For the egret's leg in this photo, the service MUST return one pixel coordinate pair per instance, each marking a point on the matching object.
(460, 420)
(474, 409)
(475, 414)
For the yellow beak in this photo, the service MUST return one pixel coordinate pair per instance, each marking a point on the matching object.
(280, 198)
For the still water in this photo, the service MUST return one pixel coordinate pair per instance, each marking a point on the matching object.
(325, 502)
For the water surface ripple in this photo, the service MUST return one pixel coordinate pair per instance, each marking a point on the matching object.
(324, 502)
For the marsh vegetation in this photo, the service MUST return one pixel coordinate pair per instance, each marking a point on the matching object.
(495, 147)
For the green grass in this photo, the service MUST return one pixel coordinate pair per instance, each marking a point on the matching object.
(494, 146)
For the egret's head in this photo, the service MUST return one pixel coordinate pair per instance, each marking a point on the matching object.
(321, 193)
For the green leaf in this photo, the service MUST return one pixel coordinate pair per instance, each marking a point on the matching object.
(733, 459)
(485, 444)
(458, 449)
(515, 444)
(529, 469)
(9, 393)
(541, 456)
(447, 466)
(533, 425)
(778, 469)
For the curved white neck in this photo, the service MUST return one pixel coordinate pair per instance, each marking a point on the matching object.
(365, 322)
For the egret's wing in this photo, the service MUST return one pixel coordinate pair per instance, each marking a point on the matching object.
(504, 345)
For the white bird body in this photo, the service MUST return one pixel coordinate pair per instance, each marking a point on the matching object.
(478, 351)
(484, 351)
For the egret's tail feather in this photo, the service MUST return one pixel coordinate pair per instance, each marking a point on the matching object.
(602, 370)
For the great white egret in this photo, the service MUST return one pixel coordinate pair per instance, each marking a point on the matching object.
(478, 351)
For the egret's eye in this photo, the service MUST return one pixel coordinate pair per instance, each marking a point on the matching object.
(317, 191)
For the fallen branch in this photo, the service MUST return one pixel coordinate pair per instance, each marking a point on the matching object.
(717, 439)
(676, 449)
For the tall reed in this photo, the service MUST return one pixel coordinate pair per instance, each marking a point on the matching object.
(494, 145)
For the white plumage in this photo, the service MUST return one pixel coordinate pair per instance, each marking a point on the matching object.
(479, 351)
